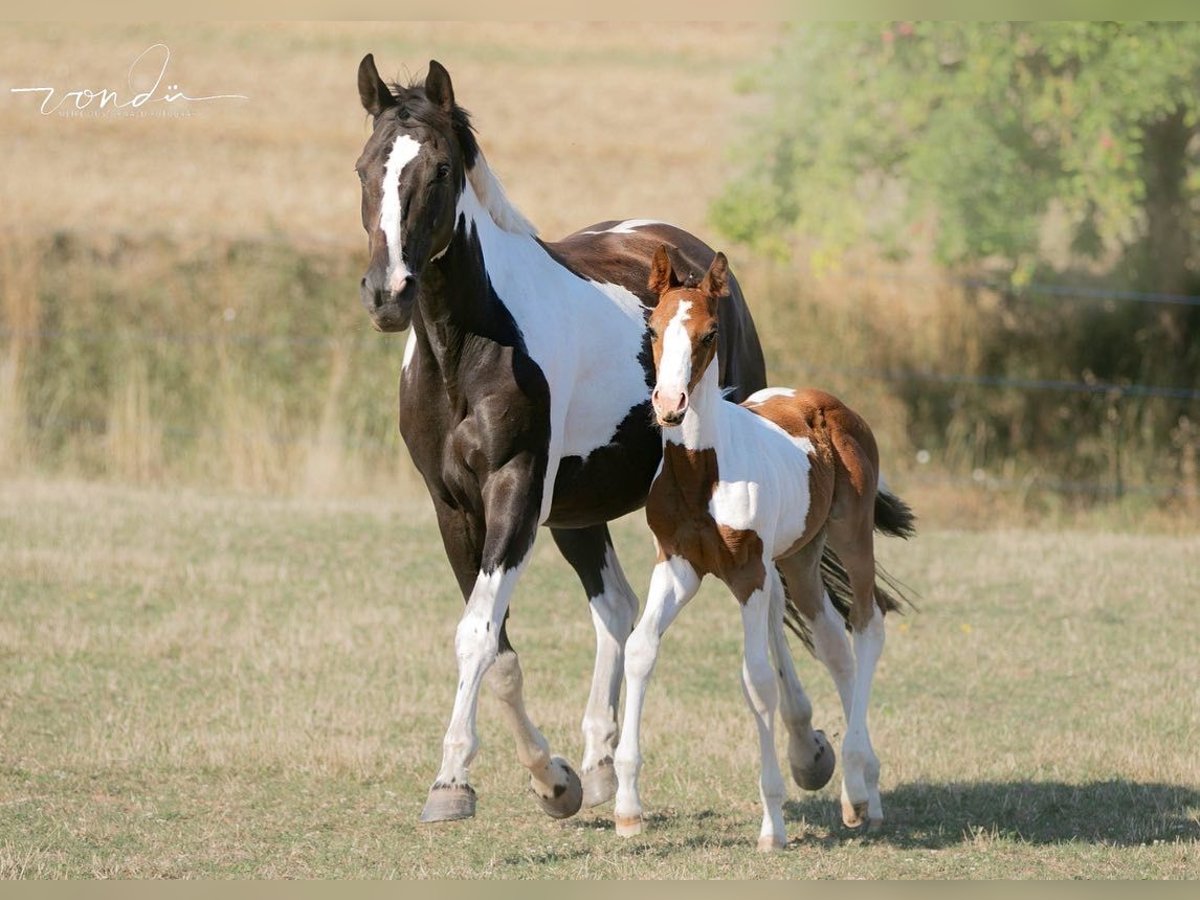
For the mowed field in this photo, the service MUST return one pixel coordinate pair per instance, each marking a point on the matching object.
(199, 684)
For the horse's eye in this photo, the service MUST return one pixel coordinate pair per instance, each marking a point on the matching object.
(653, 336)
(443, 171)
(709, 338)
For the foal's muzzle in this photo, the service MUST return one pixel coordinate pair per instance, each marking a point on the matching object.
(390, 310)
(669, 406)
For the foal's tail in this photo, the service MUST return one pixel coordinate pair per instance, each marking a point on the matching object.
(894, 518)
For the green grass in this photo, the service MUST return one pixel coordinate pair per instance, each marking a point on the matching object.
(207, 685)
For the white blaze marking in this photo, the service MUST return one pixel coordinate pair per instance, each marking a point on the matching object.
(675, 365)
(404, 151)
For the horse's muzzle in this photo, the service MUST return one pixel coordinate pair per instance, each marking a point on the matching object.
(389, 310)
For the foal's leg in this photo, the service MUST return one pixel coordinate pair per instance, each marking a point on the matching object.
(810, 756)
(614, 608)
(672, 585)
(762, 694)
(861, 802)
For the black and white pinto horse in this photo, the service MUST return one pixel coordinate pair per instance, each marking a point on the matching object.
(524, 401)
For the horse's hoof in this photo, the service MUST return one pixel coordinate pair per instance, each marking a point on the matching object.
(628, 826)
(448, 802)
(856, 816)
(565, 799)
(599, 783)
(817, 774)
(769, 843)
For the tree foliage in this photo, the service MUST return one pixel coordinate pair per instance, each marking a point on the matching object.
(983, 129)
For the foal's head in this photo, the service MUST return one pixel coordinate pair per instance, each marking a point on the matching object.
(683, 332)
(412, 171)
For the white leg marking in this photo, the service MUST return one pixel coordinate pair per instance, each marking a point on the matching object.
(860, 766)
(762, 695)
(795, 707)
(403, 151)
(832, 648)
(672, 585)
(475, 644)
(533, 750)
(613, 613)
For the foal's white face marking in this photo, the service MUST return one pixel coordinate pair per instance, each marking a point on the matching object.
(404, 151)
(675, 364)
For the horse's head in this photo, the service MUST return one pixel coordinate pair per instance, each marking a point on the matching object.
(412, 171)
(683, 332)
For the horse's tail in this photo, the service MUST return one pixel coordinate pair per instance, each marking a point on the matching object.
(893, 517)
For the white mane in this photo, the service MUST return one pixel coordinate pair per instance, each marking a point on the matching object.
(491, 195)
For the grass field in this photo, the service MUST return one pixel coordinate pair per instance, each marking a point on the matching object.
(205, 684)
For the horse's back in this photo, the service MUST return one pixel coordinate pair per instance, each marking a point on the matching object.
(620, 251)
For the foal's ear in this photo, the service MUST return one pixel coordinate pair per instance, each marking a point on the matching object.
(716, 281)
(662, 273)
(372, 90)
(437, 86)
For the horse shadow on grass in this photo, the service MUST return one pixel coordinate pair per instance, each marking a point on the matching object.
(935, 816)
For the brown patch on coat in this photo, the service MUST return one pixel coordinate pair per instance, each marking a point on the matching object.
(677, 511)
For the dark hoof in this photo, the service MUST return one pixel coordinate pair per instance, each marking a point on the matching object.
(566, 799)
(818, 772)
(599, 784)
(448, 802)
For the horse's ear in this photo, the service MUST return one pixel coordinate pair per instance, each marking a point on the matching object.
(716, 280)
(372, 90)
(437, 86)
(662, 273)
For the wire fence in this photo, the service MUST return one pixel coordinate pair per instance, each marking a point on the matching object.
(226, 332)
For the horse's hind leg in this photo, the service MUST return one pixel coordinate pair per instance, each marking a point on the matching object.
(861, 801)
(614, 607)
(810, 756)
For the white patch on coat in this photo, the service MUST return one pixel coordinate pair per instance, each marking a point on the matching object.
(629, 226)
(410, 348)
(491, 195)
(585, 336)
(769, 392)
(404, 151)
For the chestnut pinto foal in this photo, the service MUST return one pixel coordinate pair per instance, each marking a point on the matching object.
(747, 493)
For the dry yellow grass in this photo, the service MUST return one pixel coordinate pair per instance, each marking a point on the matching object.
(583, 122)
(198, 684)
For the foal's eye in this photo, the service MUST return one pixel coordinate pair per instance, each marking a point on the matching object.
(443, 171)
(653, 336)
(709, 338)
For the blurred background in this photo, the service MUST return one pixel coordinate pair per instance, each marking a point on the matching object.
(980, 235)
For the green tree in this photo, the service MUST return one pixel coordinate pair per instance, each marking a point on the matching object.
(1021, 149)
(983, 129)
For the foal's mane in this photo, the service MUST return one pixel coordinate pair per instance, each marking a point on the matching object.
(411, 98)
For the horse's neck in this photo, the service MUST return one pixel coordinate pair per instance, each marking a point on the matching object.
(702, 426)
(456, 301)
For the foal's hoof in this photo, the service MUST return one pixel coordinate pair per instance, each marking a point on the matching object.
(599, 783)
(628, 826)
(817, 773)
(564, 799)
(769, 843)
(855, 815)
(448, 802)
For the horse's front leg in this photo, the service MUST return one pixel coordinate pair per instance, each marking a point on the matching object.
(674, 582)
(511, 500)
(762, 696)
